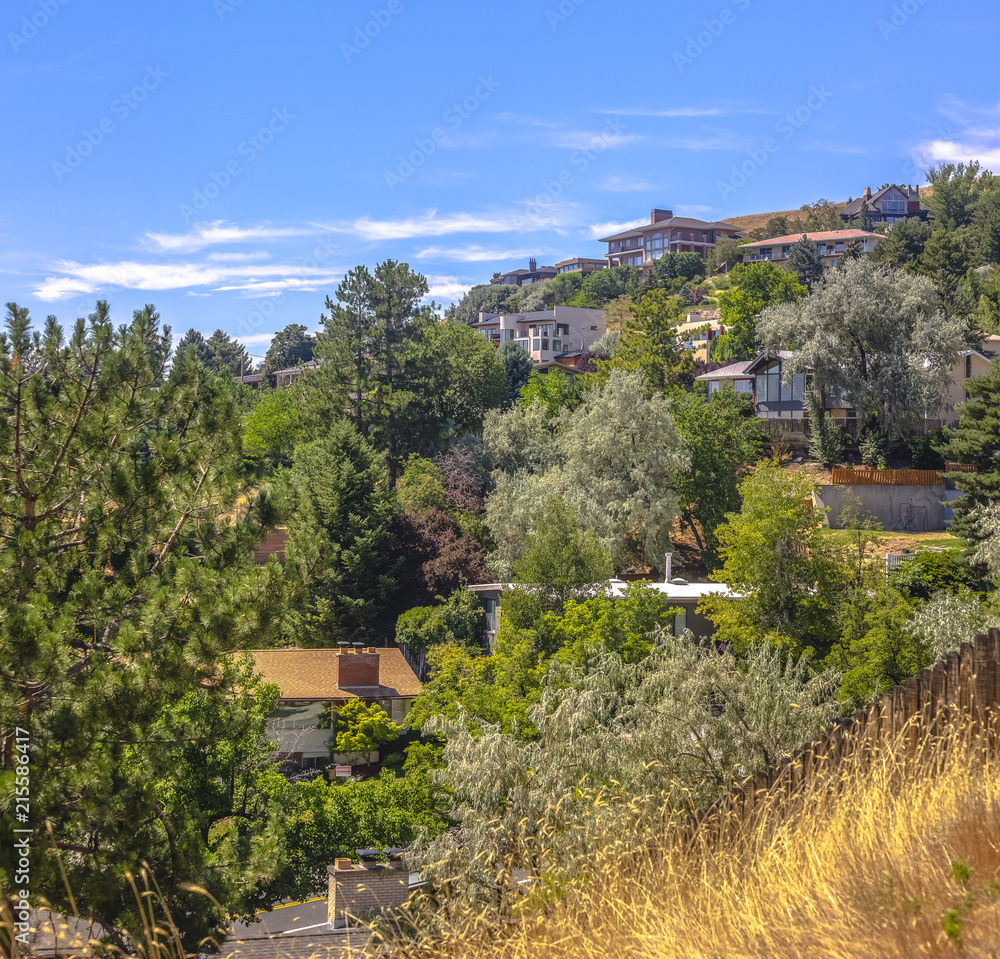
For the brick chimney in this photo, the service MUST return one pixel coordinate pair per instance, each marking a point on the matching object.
(353, 889)
(357, 669)
(868, 193)
(912, 199)
(656, 216)
(532, 264)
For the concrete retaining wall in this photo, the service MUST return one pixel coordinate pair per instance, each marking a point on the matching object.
(912, 509)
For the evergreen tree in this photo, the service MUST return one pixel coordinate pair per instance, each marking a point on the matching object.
(225, 353)
(340, 542)
(126, 584)
(975, 442)
(201, 351)
(826, 441)
(290, 347)
(517, 365)
(804, 261)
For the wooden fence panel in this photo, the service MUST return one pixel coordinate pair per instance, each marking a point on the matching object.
(966, 682)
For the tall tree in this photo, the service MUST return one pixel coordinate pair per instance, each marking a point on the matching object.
(785, 579)
(974, 442)
(754, 287)
(225, 353)
(517, 365)
(876, 336)
(340, 542)
(126, 583)
(723, 439)
(290, 347)
(370, 366)
(954, 192)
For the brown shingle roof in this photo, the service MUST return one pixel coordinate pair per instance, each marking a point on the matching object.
(820, 235)
(312, 674)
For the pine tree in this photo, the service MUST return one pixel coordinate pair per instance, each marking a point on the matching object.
(804, 261)
(975, 442)
(127, 583)
(341, 541)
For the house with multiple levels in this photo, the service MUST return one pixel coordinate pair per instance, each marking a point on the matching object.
(889, 205)
(764, 379)
(534, 274)
(665, 233)
(546, 335)
(831, 244)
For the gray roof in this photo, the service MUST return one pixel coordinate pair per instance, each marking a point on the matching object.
(854, 207)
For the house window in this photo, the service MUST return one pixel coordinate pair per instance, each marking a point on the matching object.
(893, 206)
(557, 346)
(547, 329)
(784, 251)
(562, 328)
(545, 344)
(534, 344)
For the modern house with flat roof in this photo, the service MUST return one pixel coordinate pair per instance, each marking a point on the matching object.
(545, 335)
(889, 205)
(665, 233)
(831, 245)
(583, 265)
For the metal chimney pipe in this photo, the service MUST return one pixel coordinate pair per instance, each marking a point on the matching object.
(668, 567)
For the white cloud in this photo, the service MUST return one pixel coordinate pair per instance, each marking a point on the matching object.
(471, 254)
(239, 257)
(719, 110)
(86, 278)
(446, 287)
(256, 339)
(433, 224)
(586, 140)
(957, 151)
(192, 293)
(625, 184)
(202, 235)
(606, 229)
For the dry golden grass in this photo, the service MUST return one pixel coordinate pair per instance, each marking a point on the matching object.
(891, 858)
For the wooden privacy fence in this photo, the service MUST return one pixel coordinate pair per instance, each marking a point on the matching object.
(865, 476)
(965, 684)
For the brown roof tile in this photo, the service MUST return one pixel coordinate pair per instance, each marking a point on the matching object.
(312, 674)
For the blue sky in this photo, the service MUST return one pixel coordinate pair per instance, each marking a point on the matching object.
(228, 160)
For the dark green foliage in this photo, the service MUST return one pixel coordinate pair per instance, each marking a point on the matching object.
(126, 582)
(485, 298)
(517, 365)
(754, 287)
(220, 352)
(931, 572)
(290, 347)
(826, 439)
(903, 244)
(976, 441)
(272, 428)
(954, 194)
(925, 450)
(804, 261)
(722, 439)
(455, 620)
(875, 652)
(556, 391)
(873, 447)
(340, 541)
(602, 286)
(670, 266)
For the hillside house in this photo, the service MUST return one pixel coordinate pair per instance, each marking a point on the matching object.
(889, 205)
(665, 233)
(831, 245)
(763, 377)
(311, 680)
(546, 335)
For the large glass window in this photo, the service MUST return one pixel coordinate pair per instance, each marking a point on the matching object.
(534, 344)
(545, 344)
(557, 346)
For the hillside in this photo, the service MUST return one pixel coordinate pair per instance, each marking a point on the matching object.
(751, 221)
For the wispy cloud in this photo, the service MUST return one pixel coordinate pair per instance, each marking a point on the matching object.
(262, 280)
(607, 228)
(239, 257)
(434, 224)
(625, 184)
(717, 110)
(470, 254)
(589, 140)
(202, 235)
